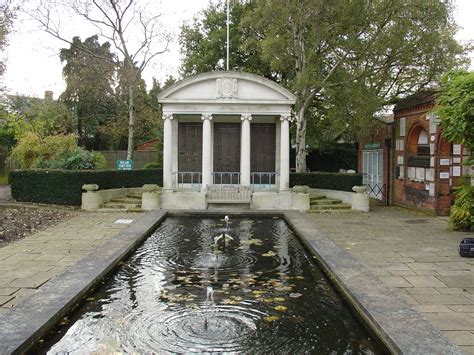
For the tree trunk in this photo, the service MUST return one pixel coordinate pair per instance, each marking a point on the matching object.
(301, 141)
(131, 122)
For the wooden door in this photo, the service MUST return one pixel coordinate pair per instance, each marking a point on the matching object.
(226, 153)
(189, 151)
(262, 151)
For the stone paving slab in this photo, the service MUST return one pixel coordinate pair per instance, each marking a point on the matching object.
(442, 287)
(55, 298)
(30, 263)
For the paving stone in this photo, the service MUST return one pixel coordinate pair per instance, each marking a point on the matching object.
(424, 281)
(395, 281)
(423, 291)
(402, 273)
(465, 308)
(459, 281)
(433, 308)
(423, 266)
(451, 321)
(426, 272)
(452, 291)
(19, 297)
(460, 337)
(7, 291)
(30, 282)
(5, 299)
(441, 299)
(468, 350)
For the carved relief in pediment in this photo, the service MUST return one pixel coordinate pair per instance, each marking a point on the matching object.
(227, 88)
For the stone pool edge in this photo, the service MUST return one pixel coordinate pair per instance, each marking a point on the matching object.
(22, 326)
(397, 324)
(400, 327)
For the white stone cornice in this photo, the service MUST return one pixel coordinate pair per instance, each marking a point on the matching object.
(246, 116)
(285, 117)
(206, 116)
(167, 116)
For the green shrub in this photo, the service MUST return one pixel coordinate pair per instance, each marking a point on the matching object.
(78, 159)
(64, 187)
(325, 180)
(462, 212)
(33, 149)
(152, 166)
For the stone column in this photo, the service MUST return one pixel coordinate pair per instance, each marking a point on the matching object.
(167, 151)
(206, 151)
(285, 152)
(245, 150)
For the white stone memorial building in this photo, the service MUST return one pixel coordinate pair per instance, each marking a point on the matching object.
(226, 141)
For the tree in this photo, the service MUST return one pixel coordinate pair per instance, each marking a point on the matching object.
(203, 42)
(343, 59)
(390, 47)
(455, 107)
(117, 21)
(44, 117)
(90, 81)
(6, 17)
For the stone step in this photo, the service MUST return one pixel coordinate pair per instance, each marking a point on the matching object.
(136, 195)
(336, 206)
(123, 206)
(333, 211)
(326, 201)
(126, 200)
(314, 197)
(103, 209)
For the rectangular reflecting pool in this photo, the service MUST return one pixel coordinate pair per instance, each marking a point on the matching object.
(196, 286)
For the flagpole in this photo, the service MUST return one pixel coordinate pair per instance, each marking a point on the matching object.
(228, 30)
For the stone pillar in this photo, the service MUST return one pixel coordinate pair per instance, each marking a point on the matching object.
(245, 150)
(167, 151)
(285, 152)
(206, 151)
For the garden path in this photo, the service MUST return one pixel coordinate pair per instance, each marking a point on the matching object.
(417, 257)
(30, 263)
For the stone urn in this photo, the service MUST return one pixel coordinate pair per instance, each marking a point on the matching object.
(359, 189)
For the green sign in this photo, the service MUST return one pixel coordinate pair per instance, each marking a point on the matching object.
(124, 164)
(372, 146)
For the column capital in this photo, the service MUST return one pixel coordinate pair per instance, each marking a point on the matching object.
(206, 116)
(167, 116)
(246, 116)
(285, 117)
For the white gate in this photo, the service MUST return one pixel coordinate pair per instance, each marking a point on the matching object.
(373, 173)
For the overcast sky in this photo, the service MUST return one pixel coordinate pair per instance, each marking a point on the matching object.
(33, 64)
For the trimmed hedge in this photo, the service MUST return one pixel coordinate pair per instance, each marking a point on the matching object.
(64, 187)
(324, 180)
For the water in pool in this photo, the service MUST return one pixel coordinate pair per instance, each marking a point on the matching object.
(191, 288)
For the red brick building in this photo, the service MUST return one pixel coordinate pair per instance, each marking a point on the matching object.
(148, 146)
(420, 167)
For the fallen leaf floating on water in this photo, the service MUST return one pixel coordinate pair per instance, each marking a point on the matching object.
(270, 319)
(280, 308)
(267, 300)
(279, 299)
(300, 277)
(270, 253)
(295, 295)
(257, 242)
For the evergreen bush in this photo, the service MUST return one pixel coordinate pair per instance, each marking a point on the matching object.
(326, 180)
(64, 187)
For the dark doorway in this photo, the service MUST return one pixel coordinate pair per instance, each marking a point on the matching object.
(226, 153)
(262, 151)
(189, 152)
